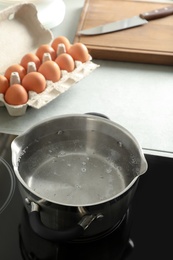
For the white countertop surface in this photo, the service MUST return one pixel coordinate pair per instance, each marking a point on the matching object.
(137, 96)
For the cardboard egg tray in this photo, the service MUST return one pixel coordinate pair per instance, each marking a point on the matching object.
(20, 25)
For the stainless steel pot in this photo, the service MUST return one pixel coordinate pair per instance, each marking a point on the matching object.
(77, 175)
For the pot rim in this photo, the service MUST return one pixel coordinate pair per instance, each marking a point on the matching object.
(16, 157)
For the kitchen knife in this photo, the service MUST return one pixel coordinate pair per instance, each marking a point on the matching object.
(129, 23)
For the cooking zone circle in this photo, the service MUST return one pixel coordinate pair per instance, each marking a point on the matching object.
(7, 184)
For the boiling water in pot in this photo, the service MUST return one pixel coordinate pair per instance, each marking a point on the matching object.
(77, 167)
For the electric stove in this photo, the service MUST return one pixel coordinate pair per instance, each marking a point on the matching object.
(145, 232)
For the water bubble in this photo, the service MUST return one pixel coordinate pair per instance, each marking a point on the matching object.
(59, 132)
(68, 164)
(83, 169)
(109, 170)
(133, 159)
(61, 153)
(78, 186)
(120, 144)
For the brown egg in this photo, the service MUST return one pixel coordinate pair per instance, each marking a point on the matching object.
(79, 52)
(58, 40)
(16, 95)
(34, 81)
(65, 62)
(30, 57)
(50, 70)
(4, 84)
(15, 68)
(45, 48)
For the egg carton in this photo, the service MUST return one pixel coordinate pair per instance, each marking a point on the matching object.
(21, 32)
(22, 20)
(53, 90)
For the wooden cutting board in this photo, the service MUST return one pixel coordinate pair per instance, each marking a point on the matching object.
(150, 43)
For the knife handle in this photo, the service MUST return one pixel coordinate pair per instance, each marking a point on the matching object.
(157, 13)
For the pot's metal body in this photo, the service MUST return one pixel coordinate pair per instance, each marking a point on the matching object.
(80, 169)
(59, 217)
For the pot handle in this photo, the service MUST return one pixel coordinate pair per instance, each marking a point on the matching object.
(55, 235)
(97, 114)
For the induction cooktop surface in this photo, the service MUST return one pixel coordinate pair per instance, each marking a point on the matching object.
(144, 233)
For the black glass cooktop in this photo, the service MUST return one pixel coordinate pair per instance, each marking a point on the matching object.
(145, 232)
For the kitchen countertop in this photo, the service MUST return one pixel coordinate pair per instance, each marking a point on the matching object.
(137, 96)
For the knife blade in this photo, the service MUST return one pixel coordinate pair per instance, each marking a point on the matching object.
(134, 21)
